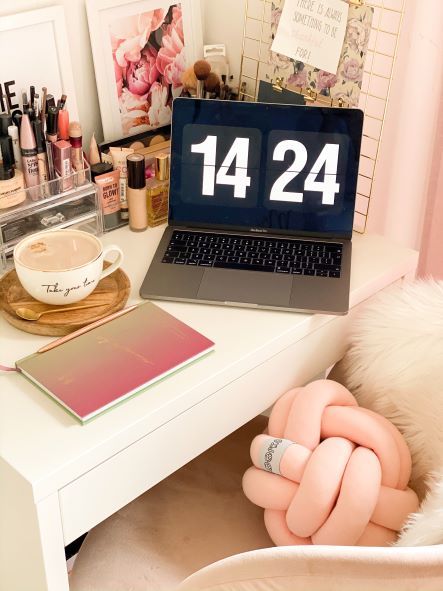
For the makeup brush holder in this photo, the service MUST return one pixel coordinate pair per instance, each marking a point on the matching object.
(68, 202)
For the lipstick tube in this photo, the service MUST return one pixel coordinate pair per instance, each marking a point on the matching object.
(61, 153)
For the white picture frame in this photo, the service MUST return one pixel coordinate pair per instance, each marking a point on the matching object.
(128, 89)
(35, 51)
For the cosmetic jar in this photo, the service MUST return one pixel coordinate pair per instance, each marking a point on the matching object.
(12, 186)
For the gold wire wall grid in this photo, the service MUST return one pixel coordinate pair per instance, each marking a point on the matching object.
(375, 87)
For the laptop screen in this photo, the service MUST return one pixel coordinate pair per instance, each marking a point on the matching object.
(276, 168)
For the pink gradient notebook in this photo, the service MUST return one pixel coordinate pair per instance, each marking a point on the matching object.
(98, 369)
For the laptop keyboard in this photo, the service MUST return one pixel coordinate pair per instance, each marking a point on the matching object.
(272, 255)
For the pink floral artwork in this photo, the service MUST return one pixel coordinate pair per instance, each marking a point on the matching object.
(148, 52)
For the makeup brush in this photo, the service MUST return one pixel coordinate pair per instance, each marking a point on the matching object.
(50, 102)
(189, 79)
(25, 101)
(63, 101)
(43, 107)
(202, 69)
(36, 97)
(212, 85)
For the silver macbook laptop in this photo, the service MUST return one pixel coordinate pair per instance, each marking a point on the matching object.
(261, 206)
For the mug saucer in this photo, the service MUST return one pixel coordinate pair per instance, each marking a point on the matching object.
(112, 290)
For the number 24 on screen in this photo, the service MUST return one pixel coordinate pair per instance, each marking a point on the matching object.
(239, 152)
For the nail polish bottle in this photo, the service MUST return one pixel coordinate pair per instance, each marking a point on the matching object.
(157, 192)
(136, 193)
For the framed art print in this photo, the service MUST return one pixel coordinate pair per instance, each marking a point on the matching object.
(35, 51)
(141, 49)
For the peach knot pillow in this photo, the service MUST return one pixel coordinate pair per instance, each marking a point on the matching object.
(330, 472)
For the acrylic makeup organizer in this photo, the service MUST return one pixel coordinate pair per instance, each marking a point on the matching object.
(376, 83)
(77, 207)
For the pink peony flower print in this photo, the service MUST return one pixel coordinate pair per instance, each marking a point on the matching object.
(325, 80)
(352, 70)
(279, 60)
(275, 16)
(134, 112)
(141, 75)
(299, 79)
(118, 71)
(159, 111)
(130, 35)
(357, 35)
(171, 56)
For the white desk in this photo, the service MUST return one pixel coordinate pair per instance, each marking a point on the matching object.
(59, 479)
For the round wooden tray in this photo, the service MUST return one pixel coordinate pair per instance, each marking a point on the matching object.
(111, 294)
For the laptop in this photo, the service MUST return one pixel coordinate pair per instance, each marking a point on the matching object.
(261, 206)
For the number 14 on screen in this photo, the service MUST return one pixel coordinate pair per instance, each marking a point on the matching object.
(315, 164)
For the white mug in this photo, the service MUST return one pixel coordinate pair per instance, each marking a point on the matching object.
(62, 266)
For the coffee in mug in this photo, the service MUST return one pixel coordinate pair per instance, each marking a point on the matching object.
(62, 266)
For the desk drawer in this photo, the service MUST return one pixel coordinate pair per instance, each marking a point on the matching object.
(111, 485)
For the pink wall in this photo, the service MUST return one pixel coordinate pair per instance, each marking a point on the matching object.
(409, 168)
(402, 179)
(431, 253)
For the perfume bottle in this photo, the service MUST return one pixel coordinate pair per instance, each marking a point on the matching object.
(157, 192)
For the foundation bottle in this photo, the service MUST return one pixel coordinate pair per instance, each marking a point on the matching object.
(157, 192)
(136, 193)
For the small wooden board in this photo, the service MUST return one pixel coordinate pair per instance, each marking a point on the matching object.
(111, 294)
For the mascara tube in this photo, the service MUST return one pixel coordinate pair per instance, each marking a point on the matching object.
(42, 161)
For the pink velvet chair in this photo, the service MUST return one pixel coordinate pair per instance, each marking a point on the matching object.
(196, 531)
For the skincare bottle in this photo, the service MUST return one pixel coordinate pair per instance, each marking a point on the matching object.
(136, 193)
(7, 151)
(13, 134)
(157, 192)
(11, 187)
(5, 123)
(108, 187)
(119, 156)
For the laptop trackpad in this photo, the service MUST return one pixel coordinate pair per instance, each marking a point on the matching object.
(225, 285)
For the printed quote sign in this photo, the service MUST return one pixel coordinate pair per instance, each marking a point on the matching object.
(312, 31)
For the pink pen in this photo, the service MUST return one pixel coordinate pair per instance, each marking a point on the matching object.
(86, 328)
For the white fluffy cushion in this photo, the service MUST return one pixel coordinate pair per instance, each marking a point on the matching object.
(394, 366)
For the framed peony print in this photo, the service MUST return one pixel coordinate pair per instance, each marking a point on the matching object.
(140, 50)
